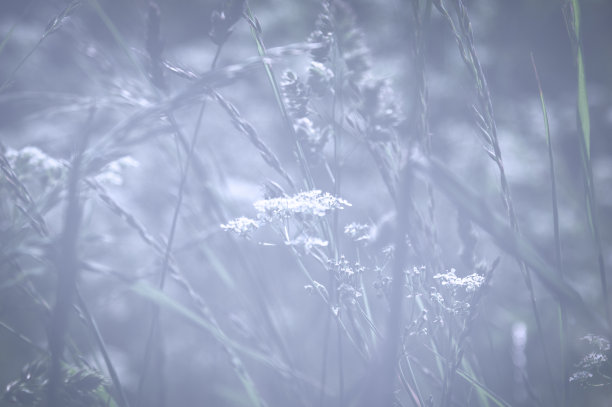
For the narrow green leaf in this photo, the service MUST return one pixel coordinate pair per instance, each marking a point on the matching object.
(163, 300)
(484, 389)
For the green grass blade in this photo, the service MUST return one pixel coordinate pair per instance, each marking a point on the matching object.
(468, 376)
(558, 262)
(483, 389)
(8, 36)
(583, 105)
(219, 268)
(585, 144)
(100, 342)
(484, 394)
(161, 299)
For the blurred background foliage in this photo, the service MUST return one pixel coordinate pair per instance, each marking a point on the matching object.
(45, 102)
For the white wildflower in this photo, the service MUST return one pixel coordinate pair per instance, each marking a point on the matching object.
(470, 283)
(308, 242)
(309, 203)
(357, 231)
(435, 296)
(600, 342)
(593, 360)
(33, 157)
(112, 172)
(580, 376)
(242, 225)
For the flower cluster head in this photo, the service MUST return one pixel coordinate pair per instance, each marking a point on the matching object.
(601, 343)
(112, 173)
(307, 204)
(242, 225)
(304, 205)
(358, 232)
(33, 157)
(470, 283)
(34, 165)
(346, 274)
(307, 242)
(590, 367)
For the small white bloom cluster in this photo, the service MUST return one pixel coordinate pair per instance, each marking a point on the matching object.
(344, 269)
(470, 283)
(242, 225)
(308, 203)
(305, 204)
(357, 232)
(34, 157)
(35, 168)
(598, 341)
(307, 242)
(592, 361)
(112, 172)
(580, 376)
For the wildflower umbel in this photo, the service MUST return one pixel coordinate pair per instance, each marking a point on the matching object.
(242, 225)
(309, 203)
(470, 283)
(591, 367)
(357, 232)
(307, 242)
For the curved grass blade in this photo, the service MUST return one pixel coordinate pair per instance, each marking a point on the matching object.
(558, 263)
(100, 342)
(584, 122)
(163, 300)
(483, 389)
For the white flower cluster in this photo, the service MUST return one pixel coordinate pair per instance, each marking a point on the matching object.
(309, 203)
(357, 232)
(306, 204)
(34, 157)
(242, 225)
(598, 341)
(307, 242)
(592, 361)
(470, 283)
(580, 376)
(112, 172)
